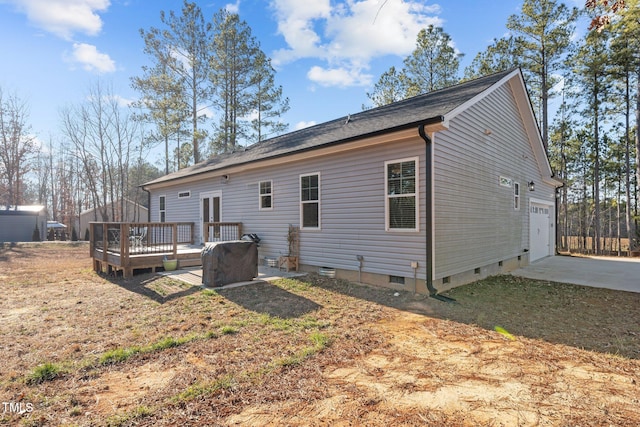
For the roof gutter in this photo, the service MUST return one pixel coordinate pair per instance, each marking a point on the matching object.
(433, 292)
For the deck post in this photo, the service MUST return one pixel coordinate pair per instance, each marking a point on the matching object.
(125, 260)
(193, 233)
(105, 241)
(174, 228)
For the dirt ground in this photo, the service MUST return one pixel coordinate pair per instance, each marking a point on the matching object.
(81, 349)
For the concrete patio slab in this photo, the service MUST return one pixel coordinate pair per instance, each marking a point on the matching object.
(621, 274)
(193, 276)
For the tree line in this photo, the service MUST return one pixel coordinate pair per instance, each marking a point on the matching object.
(208, 88)
(199, 66)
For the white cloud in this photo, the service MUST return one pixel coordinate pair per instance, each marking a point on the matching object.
(233, 7)
(349, 35)
(122, 101)
(91, 59)
(64, 17)
(342, 77)
(303, 124)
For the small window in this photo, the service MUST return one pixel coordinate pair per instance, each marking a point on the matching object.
(401, 198)
(266, 195)
(516, 196)
(163, 209)
(398, 280)
(310, 201)
(184, 194)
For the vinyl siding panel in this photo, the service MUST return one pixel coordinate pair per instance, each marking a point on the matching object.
(352, 216)
(475, 220)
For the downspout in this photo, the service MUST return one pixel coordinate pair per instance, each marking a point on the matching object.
(433, 292)
(148, 203)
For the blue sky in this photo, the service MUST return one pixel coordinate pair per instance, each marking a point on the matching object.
(327, 53)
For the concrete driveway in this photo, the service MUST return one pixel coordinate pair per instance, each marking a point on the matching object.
(621, 274)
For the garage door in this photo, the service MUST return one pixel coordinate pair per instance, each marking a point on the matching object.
(539, 231)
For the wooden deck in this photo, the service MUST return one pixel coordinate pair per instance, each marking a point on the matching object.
(128, 247)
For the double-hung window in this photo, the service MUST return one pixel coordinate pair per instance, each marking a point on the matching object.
(310, 201)
(516, 196)
(401, 198)
(163, 208)
(266, 195)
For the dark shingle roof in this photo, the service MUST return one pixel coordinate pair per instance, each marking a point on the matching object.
(396, 116)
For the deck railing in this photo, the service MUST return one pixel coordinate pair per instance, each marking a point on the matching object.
(134, 245)
(137, 238)
(222, 231)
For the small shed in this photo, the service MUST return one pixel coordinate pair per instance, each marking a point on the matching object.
(18, 223)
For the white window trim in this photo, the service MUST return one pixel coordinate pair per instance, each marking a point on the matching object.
(260, 195)
(302, 227)
(517, 196)
(416, 195)
(160, 211)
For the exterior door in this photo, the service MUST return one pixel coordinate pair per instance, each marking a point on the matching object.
(539, 231)
(210, 211)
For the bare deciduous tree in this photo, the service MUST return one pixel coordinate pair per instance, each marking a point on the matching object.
(103, 136)
(17, 148)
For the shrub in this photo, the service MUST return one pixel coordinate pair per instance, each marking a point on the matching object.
(35, 237)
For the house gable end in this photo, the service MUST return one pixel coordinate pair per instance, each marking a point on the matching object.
(516, 84)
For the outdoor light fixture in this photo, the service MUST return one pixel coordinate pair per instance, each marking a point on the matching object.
(224, 179)
(531, 185)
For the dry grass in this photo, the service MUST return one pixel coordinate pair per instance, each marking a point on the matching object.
(90, 350)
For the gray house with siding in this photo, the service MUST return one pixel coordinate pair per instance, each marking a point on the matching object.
(423, 194)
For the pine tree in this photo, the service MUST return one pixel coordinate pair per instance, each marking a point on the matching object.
(163, 100)
(499, 56)
(391, 87)
(591, 64)
(181, 52)
(268, 102)
(542, 37)
(626, 55)
(433, 65)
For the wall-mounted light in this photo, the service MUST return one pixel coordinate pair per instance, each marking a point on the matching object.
(487, 132)
(531, 185)
(224, 179)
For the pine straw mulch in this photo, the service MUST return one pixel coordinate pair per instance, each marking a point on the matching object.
(315, 351)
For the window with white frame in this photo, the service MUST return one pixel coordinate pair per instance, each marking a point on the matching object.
(266, 195)
(310, 201)
(163, 208)
(401, 199)
(516, 196)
